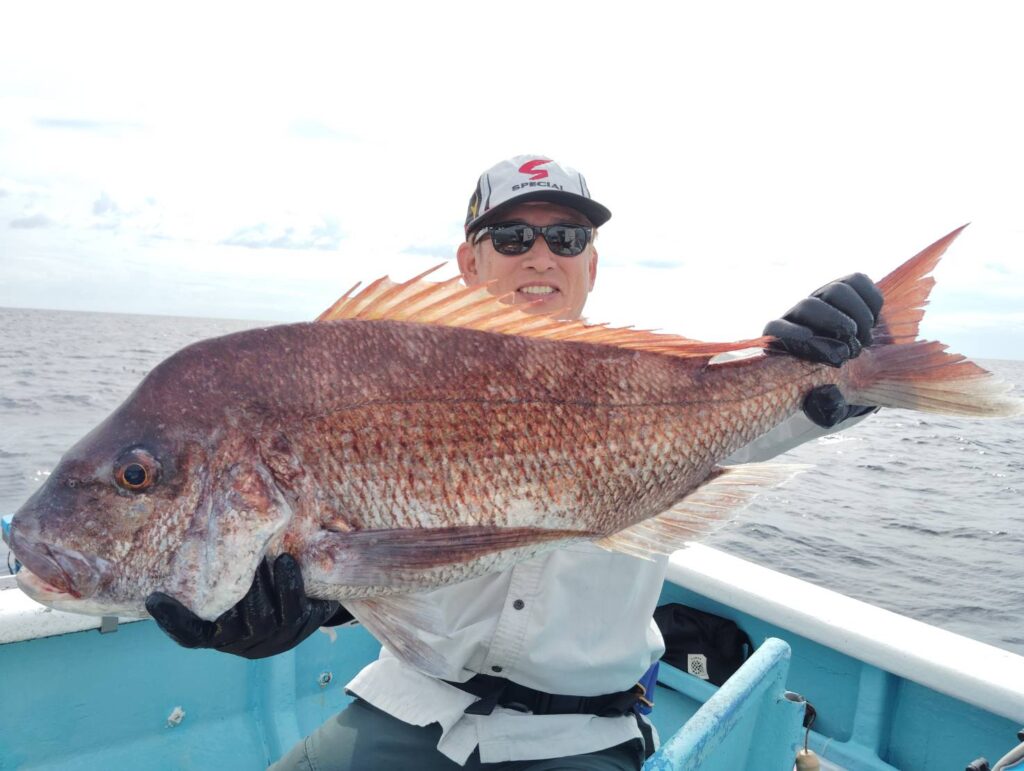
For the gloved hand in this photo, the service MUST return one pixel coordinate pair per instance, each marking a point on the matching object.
(826, 406)
(830, 327)
(274, 616)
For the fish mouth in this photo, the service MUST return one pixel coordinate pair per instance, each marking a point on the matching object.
(55, 569)
(40, 590)
(51, 596)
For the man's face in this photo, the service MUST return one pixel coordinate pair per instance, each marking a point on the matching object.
(545, 281)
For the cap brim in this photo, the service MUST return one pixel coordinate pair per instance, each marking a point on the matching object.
(589, 208)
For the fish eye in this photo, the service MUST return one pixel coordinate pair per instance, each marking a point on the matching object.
(136, 470)
(134, 475)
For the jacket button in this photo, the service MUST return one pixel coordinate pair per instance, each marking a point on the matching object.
(495, 668)
(518, 604)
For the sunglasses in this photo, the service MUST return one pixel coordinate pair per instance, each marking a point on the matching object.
(515, 238)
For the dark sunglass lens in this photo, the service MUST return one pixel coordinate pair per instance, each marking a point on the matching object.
(512, 239)
(566, 240)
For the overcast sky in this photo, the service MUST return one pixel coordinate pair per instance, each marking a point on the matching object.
(219, 160)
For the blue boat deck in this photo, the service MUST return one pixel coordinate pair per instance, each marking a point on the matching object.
(109, 701)
(78, 699)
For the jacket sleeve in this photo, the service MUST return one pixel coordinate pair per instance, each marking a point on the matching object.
(788, 434)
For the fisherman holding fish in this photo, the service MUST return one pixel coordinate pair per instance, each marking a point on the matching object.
(490, 488)
(545, 655)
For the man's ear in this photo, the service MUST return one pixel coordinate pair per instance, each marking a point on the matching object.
(593, 270)
(466, 256)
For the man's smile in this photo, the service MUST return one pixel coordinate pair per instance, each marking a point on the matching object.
(538, 291)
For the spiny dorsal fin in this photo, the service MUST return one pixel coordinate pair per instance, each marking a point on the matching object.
(449, 304)
(725, 492)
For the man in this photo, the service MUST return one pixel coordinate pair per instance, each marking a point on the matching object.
(530, 641)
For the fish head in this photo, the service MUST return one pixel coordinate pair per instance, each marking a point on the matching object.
(166, 494)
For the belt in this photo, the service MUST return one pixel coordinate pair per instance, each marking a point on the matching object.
(495, 691)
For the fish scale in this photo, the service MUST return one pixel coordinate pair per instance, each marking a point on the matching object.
(540, 466)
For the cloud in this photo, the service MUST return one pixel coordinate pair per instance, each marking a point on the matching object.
(996, 267)
(325, 234)
(104, 205)
(32, 221)
(659, 264)
(108, 215)
(314, 129)
(441, 251)
(82, 124)
(975, 319)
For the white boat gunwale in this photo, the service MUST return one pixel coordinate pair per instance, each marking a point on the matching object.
(949, 663)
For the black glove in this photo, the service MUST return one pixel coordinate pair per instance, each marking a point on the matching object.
(830, 327)
(826, 406)
(274, 616)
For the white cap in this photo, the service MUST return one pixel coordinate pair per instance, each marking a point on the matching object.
(530, 178)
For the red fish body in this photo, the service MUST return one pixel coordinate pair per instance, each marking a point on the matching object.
(429, 435)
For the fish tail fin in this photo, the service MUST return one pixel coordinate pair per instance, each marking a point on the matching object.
(898, 370)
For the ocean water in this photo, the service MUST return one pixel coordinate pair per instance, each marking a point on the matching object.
(920, 514)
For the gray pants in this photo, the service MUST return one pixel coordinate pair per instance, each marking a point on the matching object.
(362, 738)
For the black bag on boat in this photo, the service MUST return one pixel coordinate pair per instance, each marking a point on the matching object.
(705, 645)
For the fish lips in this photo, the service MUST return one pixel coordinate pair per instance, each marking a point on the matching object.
(58, 569)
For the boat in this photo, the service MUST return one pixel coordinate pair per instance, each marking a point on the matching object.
(887, 692)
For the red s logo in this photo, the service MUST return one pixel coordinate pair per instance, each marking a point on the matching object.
(530, 167)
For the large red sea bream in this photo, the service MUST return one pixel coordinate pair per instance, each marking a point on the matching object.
(420, 434)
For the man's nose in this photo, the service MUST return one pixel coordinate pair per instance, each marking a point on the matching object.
(540, 256)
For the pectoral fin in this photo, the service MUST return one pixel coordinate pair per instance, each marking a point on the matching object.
(392, 558)
(722, 495)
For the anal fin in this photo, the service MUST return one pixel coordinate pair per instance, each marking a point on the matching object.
(394, 619)
(719, 497)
